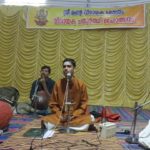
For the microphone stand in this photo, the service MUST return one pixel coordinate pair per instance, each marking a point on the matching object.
(35, 98)
(133, 138)
(67, 107)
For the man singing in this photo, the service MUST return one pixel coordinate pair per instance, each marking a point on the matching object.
(68, 102)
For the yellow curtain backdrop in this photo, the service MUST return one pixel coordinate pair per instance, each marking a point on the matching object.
(114, 63)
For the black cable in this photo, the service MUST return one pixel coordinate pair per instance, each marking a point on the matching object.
(98, 133)
(42, 134)
(31, 148)
(43, 128)
(32, 143)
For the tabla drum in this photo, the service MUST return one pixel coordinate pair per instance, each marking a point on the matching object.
(9, 95)
(6, 114)
(40, 101)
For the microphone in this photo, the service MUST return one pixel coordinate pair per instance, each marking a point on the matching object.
(69, 76)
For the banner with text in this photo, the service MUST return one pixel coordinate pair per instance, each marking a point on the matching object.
(86, 18)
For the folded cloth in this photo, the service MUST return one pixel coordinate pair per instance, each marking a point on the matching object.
(113, 117)
(144, 136)
(104, 115)
(48, 134)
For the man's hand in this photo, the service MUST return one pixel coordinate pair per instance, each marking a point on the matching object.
(43, 80)
(66, 118)
(63, 118)
(71, 117)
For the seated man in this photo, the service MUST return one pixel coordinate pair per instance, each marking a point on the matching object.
(68, 102)
(41, 90)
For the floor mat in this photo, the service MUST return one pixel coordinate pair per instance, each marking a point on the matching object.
(20, 123)
(16, 123)
(60, 141)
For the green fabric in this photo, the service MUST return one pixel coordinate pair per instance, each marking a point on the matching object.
(34, 132)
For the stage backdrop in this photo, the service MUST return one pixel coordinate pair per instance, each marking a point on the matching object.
(114, 63)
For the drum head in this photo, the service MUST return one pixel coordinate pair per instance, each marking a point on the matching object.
(40, 101)
(6, 114)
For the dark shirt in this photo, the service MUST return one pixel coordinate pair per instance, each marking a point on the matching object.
(49, 82)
